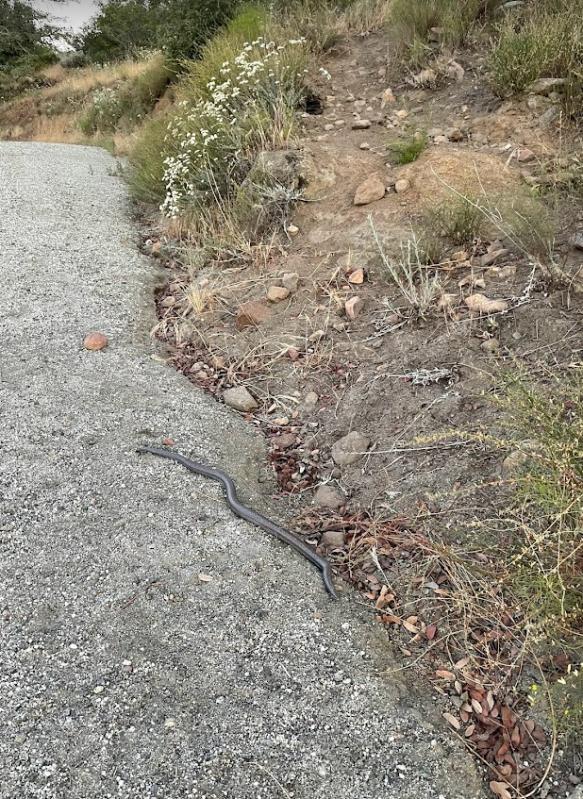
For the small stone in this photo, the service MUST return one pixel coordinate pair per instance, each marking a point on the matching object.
(479, 303)
(353, 307)
(292, 231)
(339, 123)
(95, 341)
(524, 155)
(329, 127)
(356, 277)
(350, 448)
(402, 114)
(170, 724)
(388, 98)
(285, 440)
(328, 497)
(361, 124)
(547, 85)
(240, 399)
(576, 241)
(370, 191)
(292, 353)
(291, 281)
(99, 689)
(252, 314)
(333, 539)
(277, 293)
(365, 145)
(513, 464)
(455, 134)
(491, 346)
(316, 336)
(311, 400)
(402, 185)
(168, 302)
(491, 257)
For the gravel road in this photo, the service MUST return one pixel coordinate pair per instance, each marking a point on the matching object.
(122, 673)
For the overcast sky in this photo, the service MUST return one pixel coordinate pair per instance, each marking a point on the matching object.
(72, 13)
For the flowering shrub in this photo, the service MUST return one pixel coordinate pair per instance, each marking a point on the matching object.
(104, 112)
(248, 106)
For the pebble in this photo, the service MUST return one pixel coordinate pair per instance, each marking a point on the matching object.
(240, 399)
(328, 497)
(371, 190)
(95, 341)
(353, 307)
(361, 124)
(350, 448)
(277, 293)
(291, 281)
(402, 185)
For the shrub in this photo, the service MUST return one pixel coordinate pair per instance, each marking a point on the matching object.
(411, 22)
(460, 219)
(405, 151)
(248, 106)
(545, 41)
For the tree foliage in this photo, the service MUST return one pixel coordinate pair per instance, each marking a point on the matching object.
(180, 27)
(25, 32)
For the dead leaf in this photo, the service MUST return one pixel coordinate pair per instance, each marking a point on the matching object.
(500, 789)
(476, 707)
(356, 277)
(470, 731)
(431, 632)
(452, 720)
(443, 674)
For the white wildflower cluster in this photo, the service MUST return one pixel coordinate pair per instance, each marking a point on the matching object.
(208, 134)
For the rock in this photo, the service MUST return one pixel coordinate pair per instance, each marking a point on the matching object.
(275, 167)
(364, 145)
(370, 191)
(285, 440)
(550, 115)
(455, 71)
(311, 400)
(292, 231)
(427, 77)
(95, 341)
(576, 241)
(353, 307)
(479, 303)
(328, 497)
(252, 314)
(333, 539)
(292, 353)
(291, 281)
(388, 98)
(361, 124)
(402, 185)
(350, 448)
(524, 155)
(491, 257)
(401, 114)
(491, 346)
(547, 85)
(339, 123)
(513, 464)
(277, 293)
(240, 399)
(441, 140)
(329, 127)
(455, 134)
(168, 302)
(356, 277)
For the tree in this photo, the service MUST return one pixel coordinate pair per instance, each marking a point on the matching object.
(24, 31)
(120, 29)
(185, 25)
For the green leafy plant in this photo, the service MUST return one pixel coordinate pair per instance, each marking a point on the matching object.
(405, 151)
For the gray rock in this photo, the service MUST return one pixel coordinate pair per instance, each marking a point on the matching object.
(361, 124)
(333, 539)
(240, 399)
(513, 464)
(577, 241)
(291, 281)
(328, 497)
(350, 448)
(547, 85)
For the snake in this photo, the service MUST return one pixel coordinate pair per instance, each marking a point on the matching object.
(250, 515)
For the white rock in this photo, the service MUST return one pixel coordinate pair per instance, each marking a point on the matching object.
(240, 399)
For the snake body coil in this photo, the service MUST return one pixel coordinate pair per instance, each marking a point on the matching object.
(247, 513)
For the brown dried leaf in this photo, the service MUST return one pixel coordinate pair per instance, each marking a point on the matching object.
(431, 632)
(452, 720)
(500, 789)
(443, 674)
(476, 707)
(470, 731)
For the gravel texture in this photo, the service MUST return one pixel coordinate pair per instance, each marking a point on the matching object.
(123, 673)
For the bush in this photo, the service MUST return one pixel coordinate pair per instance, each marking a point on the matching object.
(546, 41)
(460, 219)
(405, 151)
(411, 22)
(248, 106)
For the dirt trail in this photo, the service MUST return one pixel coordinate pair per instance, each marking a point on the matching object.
(152, 645)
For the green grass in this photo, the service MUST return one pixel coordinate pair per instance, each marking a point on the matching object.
(405, 151)
(411, 23)
(543, 42)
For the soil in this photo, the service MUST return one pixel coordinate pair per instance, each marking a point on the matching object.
(414, 387)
